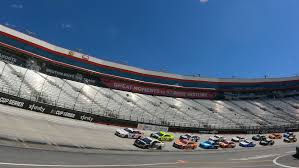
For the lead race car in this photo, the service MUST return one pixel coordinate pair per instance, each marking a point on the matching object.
(129, 133)
(148, 143)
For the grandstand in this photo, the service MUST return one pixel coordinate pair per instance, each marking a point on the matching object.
(259, 104)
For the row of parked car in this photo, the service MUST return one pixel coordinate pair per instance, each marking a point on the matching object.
(187, 141)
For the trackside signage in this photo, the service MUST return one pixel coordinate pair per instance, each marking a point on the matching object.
(154, 90)
(44, 108)
(11, 102)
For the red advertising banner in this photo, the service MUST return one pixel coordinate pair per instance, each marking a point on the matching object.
(158, 90)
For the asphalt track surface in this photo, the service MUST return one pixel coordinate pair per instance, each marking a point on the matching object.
(19, 157)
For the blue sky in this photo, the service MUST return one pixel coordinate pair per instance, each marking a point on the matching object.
(221, 38)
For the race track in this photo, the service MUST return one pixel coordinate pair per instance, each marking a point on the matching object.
(259, 157)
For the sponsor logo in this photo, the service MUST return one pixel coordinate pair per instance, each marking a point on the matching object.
(11, 102)
(86, 118)
(8, 58)
(63, 113)
(33, 107)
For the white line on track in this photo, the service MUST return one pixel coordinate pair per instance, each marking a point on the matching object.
(290, 152)
(282, 165)
(257, 157)
(83, 166)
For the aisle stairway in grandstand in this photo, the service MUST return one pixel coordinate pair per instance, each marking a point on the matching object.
(36, 86)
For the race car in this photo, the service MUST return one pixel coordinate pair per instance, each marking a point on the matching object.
(148, 143)
(217, 138)
(194, 138)
(258, 137)
(247, 144)
(266, 141)
(287, 134)
(129, 133)
(185, 144)
(238, 139)
(162, 136)
(209, 145)
(227, 144)
(290, 139)
(275, 136)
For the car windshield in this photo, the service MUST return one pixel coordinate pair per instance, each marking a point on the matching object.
(147, 140)
(159, 133)
(210, 142)
(128, 130)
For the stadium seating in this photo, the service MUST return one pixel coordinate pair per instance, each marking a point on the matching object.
(30, 84)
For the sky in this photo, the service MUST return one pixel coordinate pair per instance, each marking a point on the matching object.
(219, 38)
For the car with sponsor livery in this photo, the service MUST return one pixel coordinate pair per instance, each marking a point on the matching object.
(194, 138)
(148, 143)
(258, 137)
(185, 144)
(238, 139)
(209, 145)
(247, 144)
(163, 136)
(227, 144)
(287, 134)
(275, 136)
(129, 133)
(217, 138)
(266, 141)
(290, 139)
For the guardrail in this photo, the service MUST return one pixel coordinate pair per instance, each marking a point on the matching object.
(32, 103)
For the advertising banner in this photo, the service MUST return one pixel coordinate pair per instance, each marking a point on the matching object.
(154, 90)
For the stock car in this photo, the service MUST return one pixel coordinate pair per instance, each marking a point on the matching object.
(287, 134)
(149, 143)
(209, 145)
(266, 141)
(217, 138)
(275, 136)
(290, 139)
(227, 144)
(238, 139)
(258, 137)
(247, 144)
(185, 144)
(162, 136)
(194, 138)
(129, 133)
